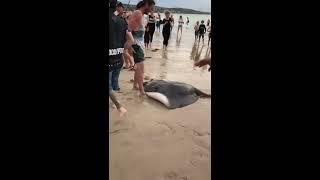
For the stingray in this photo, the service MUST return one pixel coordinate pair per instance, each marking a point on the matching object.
(173, 94)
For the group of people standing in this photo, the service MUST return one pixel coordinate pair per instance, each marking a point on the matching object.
(154, 23)
(201, 29)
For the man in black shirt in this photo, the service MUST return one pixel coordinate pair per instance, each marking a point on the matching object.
(202, 30)
(118, 36)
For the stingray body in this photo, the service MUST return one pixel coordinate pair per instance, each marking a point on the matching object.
(173, 94)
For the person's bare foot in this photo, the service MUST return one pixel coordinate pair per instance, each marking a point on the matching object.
(114, 106)
(135, 88)
(122, 111)
(142, 94)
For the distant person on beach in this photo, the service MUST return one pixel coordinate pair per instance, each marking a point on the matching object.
(210, 34)
(208, 23)
(181, 22)
(202, 31)
(166, 29)
(147, 36)
(158, 23)
(172, 22)
(188, 21)
(196, 30)
(152, 27)
(143, 7)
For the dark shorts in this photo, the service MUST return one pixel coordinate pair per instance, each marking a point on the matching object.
(201, 35)
(138, 54)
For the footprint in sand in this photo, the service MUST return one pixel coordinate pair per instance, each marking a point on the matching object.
(171, 176)
(200, 154)
(200, 142)
(183, 178)
(199, 133)
(117, 131)
(129, 99)
(193, 163)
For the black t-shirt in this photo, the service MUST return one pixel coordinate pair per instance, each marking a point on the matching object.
(166, 27)
(202, 29)
(117, 38)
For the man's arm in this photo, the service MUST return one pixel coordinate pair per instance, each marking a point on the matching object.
(203, 62)
(129, 40)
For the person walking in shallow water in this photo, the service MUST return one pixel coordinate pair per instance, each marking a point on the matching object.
(202, 31)
(151, 27)
(210, 34)
(147, 36)
(166, 29)
(172, 21)
(181, 22)
(158, 22)
(196, 30)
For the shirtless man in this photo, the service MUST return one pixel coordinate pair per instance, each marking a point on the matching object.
(143, 7)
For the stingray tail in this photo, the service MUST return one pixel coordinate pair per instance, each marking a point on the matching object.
(202, 94)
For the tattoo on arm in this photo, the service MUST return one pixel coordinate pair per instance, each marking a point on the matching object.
(114, 99)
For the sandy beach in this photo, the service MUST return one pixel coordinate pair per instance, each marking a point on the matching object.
(151, 142)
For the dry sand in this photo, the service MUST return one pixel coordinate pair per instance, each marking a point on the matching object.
(151, 142)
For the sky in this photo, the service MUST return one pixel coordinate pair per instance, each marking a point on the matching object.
(200, 5)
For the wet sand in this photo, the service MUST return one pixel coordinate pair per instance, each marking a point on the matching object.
(151, 142)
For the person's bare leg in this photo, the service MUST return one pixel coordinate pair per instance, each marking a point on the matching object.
(131, 61)
(135, 79)
(140, 78)
(126, 60)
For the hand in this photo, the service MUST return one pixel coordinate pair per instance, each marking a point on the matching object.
(203, 62)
